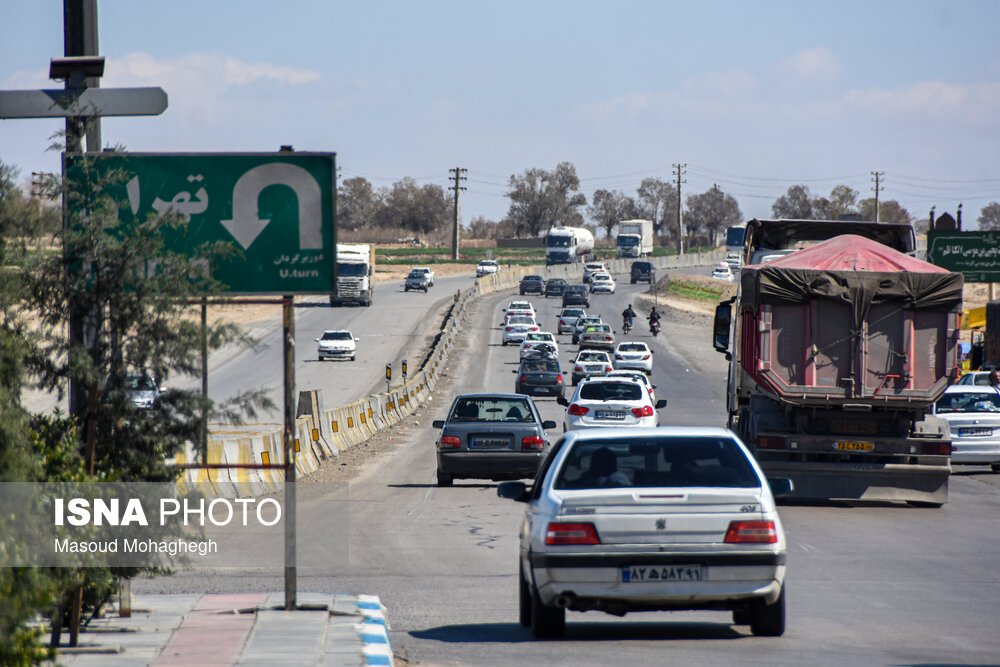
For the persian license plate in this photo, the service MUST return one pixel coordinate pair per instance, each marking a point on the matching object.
(490, 443)
(642, 573)
(854, 446)
(981, 431)
(608, 414)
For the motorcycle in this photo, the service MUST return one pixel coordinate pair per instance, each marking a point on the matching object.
(626, 326)
(654, 328)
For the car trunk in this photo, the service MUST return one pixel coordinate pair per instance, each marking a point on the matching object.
(667, 516)
(610, 413)
(539, 379)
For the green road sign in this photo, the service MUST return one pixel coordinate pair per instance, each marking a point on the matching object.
(276, 208)
(976, 255)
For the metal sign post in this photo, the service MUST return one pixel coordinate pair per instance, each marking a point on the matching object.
(288, 322)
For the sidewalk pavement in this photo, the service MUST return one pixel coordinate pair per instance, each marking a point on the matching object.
(237, 629)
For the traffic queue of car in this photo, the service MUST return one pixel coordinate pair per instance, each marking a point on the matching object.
(623, 514)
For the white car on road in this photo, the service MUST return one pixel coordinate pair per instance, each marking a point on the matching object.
(973, 416)
(426, 270)
(638, 376)
(590, 363)
(534, 339)
(521, 307)
(590, 268)
(603, 283)
(610, 402)
(337, 344)
(633, 355)
(568, 318)
(487, 267)
(516, 327)
(723, 272)
(676, 518)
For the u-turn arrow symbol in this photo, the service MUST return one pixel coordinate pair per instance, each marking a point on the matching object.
(246, 223)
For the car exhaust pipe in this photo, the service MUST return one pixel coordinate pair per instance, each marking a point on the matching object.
(564, 601)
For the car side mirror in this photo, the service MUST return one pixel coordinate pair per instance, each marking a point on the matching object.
(438, 423)
(548, 424)
(316, 339)
(660, 404)
(721, 327)
(516, 491)
(781, 487)
(357, 340)
(561, 400)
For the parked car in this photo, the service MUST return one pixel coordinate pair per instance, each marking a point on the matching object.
(633, 355)
(142, 390)
(516, 327)
(532, 285)
(416, 280)
(539, 376)
(975, 378)
(973, 416)
(576, 295)
(427, 271)
(536, 338)
(637, 376)
(673, 518)
(597, 337)
(602, 282)
(555, 287)
(487, 267)
(642, 272)
(491, 436)
(568, 318)
(337, 344)
(590, 363)
(590, 268)
(606, 402)
(584, 322)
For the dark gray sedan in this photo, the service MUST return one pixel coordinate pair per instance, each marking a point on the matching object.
(491, 436)
(539, 376)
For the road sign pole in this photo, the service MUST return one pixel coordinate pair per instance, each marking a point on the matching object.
(288, 320)
(204, 379)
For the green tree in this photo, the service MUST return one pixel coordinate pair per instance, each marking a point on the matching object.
(989, 216)
(889, 211)
(540, 199)
(357, 204)
(710, 213)
(842, 201)
(409, 206)
(795, 204)
(657, 201)
(609, 207)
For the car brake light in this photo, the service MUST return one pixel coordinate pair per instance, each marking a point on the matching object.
(571, 533)
(608, 369)
(508, 328)
(559, 378)
(751, 532)
(577, 410)
(608, 338)
(618, 356)
(534, 328)
(562, 323)
(450, 441)
(644, 411)
(645, 356)
(770, 442)
(532, 442)
(524, 378)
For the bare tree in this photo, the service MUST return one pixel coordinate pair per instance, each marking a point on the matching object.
(989, 216)
(710, 213)
(357, 204)
(657, 201)
(795, 204)
(609, 207)
(540, 199)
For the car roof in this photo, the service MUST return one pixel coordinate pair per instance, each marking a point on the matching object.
(336, 331)
(492, 395)
(969, 389)
(632, 432)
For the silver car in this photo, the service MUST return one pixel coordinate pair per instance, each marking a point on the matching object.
(671, 518)
(973, 416)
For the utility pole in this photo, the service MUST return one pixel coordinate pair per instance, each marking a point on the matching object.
(879, 186)
(679, 173)
(458, 187)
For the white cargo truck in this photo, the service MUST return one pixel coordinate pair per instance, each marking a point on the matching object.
(567, 245)
(635, 238)
(355, 275)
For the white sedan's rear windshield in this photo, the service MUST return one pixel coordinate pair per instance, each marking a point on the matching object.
(986, 401)
(656, 462)
(611, 391)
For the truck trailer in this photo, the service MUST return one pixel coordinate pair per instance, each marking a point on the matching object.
(837, 352)
(567, 245)
(355, 275)
(635, 238)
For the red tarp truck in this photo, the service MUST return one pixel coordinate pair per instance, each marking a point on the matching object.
(837, 352)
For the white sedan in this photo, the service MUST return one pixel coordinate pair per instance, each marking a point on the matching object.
(973, 416)
(723, 272)
(336, 344)
(520, 306)
(487, 267)
(631, 355)
(603, 283)
(516, 327)
(610, 402)
(534, 339)
(675, 518)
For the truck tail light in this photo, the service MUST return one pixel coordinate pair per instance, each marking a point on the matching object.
(644, 411)
(770, 442)
(751, 532)
(577, 410)
(450, 442)
(571, 533)
(532, 442)
(936, 449)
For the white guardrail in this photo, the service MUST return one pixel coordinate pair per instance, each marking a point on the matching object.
(322, 434)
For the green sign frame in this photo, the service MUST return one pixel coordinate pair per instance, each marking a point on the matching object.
(277, 209)
(976, 255)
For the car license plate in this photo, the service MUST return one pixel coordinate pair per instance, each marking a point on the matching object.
(644, 573)
(490, 443)
(975, 431)
(854, 446)
(607, 414)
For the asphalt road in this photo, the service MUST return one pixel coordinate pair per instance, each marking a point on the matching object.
(885, 585)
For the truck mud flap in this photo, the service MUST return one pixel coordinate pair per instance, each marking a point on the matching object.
(924, 484)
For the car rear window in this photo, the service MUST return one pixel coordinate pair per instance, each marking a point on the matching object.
(540, 366)
(632, 347)
(656, 462)
(969, 401)
(611, 391)
(489, 409)
(522, 319)
(593, 356)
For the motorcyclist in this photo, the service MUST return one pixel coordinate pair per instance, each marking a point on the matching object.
(654, 318)
(628, 316)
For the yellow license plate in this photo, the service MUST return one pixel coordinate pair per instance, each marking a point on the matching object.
(854, 446)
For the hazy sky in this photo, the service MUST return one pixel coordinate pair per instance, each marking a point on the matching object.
(754, 96)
